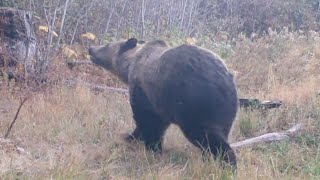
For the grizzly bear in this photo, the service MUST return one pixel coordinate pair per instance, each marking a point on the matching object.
(185, 85)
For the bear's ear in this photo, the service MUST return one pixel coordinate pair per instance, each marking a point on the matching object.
(130, 44)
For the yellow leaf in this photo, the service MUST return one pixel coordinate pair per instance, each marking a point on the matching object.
(89, 35)
(69, 52)
(191, 41)
(46, 29)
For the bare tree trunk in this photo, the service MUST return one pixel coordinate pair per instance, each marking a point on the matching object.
(109, 20)
(19, 39)
(74, 32)
(63, 19)
(120, 17)
(159, 18)
(51, 22)
(143, 10)
(81, 14)
(183, 12)
(46, 48)
(190, 17)
(170, 17)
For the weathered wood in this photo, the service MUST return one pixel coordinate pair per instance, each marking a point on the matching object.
(276, 136)
(73, 63)
(257, 104)
(18, 43)
(96, 87)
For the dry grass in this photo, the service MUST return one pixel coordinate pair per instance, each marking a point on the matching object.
(75, 133)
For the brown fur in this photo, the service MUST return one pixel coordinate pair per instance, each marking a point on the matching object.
(185, 85)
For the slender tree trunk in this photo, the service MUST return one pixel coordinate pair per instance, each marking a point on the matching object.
(120, 17)
(109, 20)
(74, 32)
(143, 9)
(191, 15)
(159, 18)
(63, 19)
(183, 12)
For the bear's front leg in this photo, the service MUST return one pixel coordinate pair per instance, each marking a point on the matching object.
(150, 127)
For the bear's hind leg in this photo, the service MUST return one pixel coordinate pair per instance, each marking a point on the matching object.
(212, 141)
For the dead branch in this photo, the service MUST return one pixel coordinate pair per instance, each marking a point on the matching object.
(15, 118)
(244, 103)
(9, 146)
(276, 136)
(72, 64)
(97, 87)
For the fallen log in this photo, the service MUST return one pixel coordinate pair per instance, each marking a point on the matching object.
(96, 87)
(251, 104)
(73, 63)
(244, 103)
(276, 136)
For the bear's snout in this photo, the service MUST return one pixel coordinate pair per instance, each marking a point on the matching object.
(90, 50)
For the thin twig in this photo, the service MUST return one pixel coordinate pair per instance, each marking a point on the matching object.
(15, 118)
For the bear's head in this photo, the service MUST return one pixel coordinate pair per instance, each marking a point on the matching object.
(107, 55)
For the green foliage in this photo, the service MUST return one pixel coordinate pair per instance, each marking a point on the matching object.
(313, 167)
(308, 140)
(247, 125)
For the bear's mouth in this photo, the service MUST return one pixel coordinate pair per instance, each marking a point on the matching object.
(99, 62)
(92, 57)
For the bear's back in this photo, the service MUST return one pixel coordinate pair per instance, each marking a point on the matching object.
(190, 79)
(192, 62)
